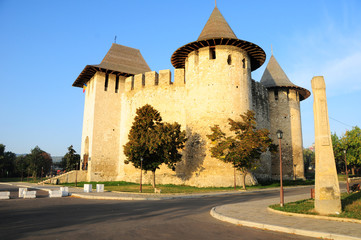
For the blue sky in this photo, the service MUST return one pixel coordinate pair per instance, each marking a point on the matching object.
(44, 45)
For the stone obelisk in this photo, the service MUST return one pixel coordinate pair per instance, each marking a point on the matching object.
(327, 190)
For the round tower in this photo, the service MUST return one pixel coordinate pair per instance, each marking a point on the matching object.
(218, 86)
(285, 115)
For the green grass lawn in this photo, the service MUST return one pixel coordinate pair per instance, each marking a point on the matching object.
(351, 206)
(170, 188)
(122, 186)
(342, 177)
(30, 179)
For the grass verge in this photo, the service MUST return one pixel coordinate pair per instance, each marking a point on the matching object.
(351, 206)
(170, 188)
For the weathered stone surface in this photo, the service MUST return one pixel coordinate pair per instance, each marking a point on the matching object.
(55, 194)
(327, 190)
(88, 188)
(68, 177)
(100, 187)
(64, 191)
(29, 194)
(21, 192)
(4, 195)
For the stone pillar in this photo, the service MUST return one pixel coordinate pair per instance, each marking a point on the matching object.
(327, 190)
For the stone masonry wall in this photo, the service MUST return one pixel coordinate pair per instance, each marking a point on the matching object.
(217, 89)
(285, 116)
(207, 92)
(165, 96)
(101, 127)
(261, 108)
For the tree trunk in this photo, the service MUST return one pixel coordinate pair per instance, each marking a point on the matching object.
(234, 179)
(153, 182)
(353, 170)
(244, 174)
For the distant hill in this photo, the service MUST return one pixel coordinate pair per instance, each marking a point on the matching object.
(57, 159)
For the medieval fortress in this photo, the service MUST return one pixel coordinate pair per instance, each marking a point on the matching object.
(212, 82)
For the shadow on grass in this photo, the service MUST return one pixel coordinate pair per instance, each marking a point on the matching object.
(349, 199)
(169, 188)
(351, 206)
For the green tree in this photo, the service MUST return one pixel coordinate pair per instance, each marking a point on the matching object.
(338, 148)
(308, 158)
(39, 162)
(21, 165)
(244, 146)
(7, 162)
(153, 141)
(71, 160)
(351, 141)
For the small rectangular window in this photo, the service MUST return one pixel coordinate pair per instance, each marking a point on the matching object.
(229, 60)
(276, 94)
(106, 82)
(212, 53)
(244, 63)
(116, 84)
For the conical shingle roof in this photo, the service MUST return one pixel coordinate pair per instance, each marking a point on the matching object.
(274, 77)
(218, 32)
(119, 60)
(216, 27)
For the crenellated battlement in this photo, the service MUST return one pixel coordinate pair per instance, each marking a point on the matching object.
(154, 79)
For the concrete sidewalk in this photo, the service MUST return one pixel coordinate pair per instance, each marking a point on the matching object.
(255, 214)
(250, 214)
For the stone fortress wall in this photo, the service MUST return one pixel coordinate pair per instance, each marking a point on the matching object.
(101, 130)
(183, 101)
(260, 106)
(167, 97)
(178, 100)
(213, 85)
(285, 114)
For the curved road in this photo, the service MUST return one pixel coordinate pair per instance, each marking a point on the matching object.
(73, 218)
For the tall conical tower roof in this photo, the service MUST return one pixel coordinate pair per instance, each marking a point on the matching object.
(216, 27)
(275, 77)
(218, 32)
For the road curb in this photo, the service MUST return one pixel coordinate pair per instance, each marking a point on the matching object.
(173, 196)
(3, 183)
(350, 220)
(95, 197)
(113, 198)
(306, 233)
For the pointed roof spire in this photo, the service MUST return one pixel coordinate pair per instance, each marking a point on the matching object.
(218, 32)
(275, 77)
(216, 27)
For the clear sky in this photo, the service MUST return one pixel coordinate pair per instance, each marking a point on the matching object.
(44, 45)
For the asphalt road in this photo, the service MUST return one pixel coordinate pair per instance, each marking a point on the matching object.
(74, 218)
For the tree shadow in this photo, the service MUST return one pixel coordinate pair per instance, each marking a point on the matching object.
(194, 154)
(350, 199)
